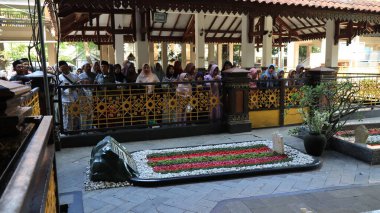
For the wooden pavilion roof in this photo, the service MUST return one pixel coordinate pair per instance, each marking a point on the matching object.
(294, 20)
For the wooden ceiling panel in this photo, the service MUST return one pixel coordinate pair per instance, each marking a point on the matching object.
(218, 22)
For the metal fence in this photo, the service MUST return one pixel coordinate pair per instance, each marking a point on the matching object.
(368, 86)
(100, 107)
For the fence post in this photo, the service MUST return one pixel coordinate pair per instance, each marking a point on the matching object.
(316, 75)
(282, 101)
(235, 101)
(38, 81)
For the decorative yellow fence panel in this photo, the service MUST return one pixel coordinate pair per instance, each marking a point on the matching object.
(139, 105)
(32, 100)
(269, 109)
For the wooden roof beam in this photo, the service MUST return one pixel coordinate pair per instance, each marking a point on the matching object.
(229, 27)
(235, 29)
(160, 29)
(212, 24)
(311, 25)
(282, 23)
(165, 29)
(189, 28)
(69, 10)
(222, 31)
(175, 24)
(303, 25)
(124, 30)
(220, 26)
(222, 40)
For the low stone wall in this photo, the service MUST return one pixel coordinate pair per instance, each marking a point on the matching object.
(361, 152)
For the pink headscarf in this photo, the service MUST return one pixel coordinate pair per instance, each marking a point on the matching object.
(252, 72)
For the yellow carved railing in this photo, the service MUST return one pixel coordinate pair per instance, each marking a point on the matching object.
(264, 98)
(369, 88)
(270, 103)
(32, 100)
(136, 105)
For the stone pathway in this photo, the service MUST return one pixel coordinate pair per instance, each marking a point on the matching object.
(338, 199)
(337, 171)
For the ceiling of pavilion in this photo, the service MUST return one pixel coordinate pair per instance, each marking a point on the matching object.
(93, 20)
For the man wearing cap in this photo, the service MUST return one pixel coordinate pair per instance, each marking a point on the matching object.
(69, 95)
(85, 97)
(105, 77)
(20, 74)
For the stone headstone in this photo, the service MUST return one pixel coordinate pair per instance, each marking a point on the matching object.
(361, 134)
(278, 143)
(110, 161)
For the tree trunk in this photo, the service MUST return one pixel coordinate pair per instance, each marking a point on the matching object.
(87, 52)
(2, 58)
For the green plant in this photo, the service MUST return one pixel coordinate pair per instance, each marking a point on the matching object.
(317, 121)
(327, 106)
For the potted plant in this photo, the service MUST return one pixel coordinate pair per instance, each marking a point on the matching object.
(326, 107)
(315, 141)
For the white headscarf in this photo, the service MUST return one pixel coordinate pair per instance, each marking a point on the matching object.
(183, 90)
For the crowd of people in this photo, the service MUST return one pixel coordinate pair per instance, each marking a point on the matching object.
(269, 78)
(21, 68)
(182, 81)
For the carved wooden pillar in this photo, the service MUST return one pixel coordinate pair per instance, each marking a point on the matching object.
(235, 101)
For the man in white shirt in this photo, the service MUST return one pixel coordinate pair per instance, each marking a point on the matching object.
(87, 74)
(69, 97)
(85, 97)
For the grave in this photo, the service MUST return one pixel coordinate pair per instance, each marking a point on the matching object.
(361, 151)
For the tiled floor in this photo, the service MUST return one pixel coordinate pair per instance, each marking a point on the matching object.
(337, 171)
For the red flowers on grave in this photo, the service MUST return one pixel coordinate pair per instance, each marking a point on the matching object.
(349, 133)
(214, 158)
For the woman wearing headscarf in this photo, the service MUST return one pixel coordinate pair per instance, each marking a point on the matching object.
(280, 73)
(147, 76)
(169, 112)
(170, 74)
(291, 77)
(190, 70)
(177, 68)
(253, 75)
(183, 92)
(215, 112)
(199, 78)
(129, 72)
(270, 75)
(158, 71)
(119, 77)
(227, 65)
(299, 74)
